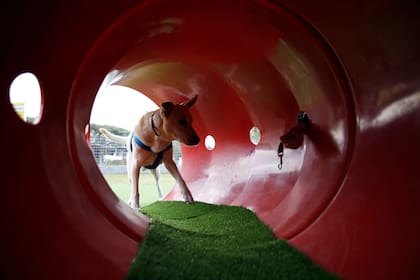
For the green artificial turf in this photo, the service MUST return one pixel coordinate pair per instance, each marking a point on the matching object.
(205, 241)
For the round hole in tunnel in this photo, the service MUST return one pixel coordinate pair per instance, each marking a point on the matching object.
(117, 109)
(26, 97)
(255, 135)
(210, 142)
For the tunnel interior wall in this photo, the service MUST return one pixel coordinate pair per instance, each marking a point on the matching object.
(347, 198)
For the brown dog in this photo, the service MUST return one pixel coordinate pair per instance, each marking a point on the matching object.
(150, 144)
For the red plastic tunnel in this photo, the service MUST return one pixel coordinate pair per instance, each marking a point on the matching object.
(348, 197)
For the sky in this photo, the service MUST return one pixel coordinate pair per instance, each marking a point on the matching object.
(120, 106)
(114, 105)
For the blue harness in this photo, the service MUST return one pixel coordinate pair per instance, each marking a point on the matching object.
(159, 155)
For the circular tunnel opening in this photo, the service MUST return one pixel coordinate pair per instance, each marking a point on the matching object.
(117, 109)
(252, 64)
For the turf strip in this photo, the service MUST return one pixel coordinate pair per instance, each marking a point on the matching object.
(206, 241)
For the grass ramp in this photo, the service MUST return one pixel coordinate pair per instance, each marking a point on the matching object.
(206, 241)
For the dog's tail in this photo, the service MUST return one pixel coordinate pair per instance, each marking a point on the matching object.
(113, 137)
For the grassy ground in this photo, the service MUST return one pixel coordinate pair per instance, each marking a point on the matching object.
(205, 241)
(148, 191)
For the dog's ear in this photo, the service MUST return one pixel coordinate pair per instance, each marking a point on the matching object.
(167, 108)
(190, 102)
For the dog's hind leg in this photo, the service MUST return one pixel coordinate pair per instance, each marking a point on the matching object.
(155, 173)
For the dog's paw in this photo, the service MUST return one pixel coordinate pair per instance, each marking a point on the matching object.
(133, 204)
(191, 200)
(188, 198)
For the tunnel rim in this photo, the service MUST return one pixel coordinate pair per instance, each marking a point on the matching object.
(74, 138)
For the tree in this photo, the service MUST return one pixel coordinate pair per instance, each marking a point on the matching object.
(94, 130)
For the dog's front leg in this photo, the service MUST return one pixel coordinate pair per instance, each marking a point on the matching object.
(155, 173)
(134, 200)
(173, 169)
